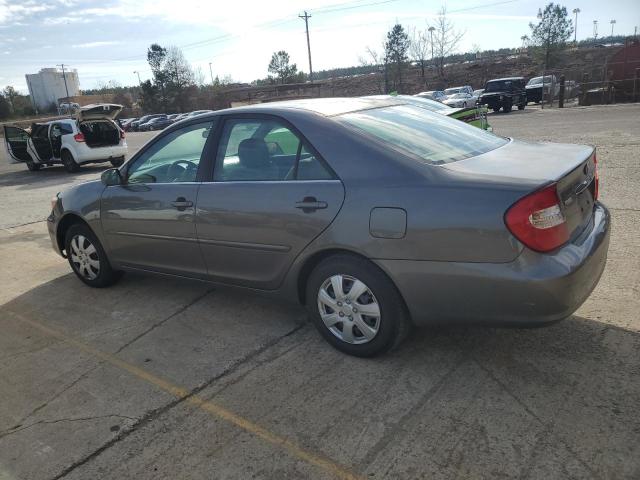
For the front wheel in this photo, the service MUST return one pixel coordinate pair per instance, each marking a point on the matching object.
(355, 306)
(521, 107)
(69, 163)
(507, 107)
(87, 258)
(496, 109)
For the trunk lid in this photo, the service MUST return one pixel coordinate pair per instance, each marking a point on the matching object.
(99, 111)
(572, 167)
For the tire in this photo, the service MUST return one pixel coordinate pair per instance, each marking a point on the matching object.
(507, 107)
(33, 167)
(117, 162)
(496, 109)
(87, 258)
(383, 332)
(69, 163)
(521, 107)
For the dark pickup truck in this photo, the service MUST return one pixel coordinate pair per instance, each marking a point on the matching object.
(504, 93)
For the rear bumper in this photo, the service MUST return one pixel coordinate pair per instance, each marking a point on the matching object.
(534, 289)
(100, 154)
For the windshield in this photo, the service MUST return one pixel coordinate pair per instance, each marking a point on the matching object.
(499, 86)
(459, 95)
(538, 80)
(451, 91)
(431, 138)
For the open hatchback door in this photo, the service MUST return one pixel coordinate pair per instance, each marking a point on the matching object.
(17, 142)
(99, 111)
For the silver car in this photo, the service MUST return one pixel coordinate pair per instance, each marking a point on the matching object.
(375, 214)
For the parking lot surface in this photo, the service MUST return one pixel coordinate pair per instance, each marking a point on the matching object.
(157, 378)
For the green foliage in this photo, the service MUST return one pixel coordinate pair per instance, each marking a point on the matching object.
(280, 67)
(13, 104)
(396, 48)
(5, 108)
(552, 31)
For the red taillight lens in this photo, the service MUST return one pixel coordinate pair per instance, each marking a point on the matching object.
(597, 178)
(122, 134)
(79, 137)
(537, 220)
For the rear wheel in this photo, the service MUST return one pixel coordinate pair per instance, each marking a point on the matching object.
(33, 167)
(521, 107)
(507, 107)
(87, 258)
(355, 306)
(496, 109)
(117, 162)
(69, 163)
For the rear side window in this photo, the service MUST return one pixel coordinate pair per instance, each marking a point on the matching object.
(427, 136)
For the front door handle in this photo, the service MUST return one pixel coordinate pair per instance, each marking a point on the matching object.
(310, 204)
(182, 204)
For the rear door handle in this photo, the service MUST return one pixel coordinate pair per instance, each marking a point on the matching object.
(182, 204)
(310, 204)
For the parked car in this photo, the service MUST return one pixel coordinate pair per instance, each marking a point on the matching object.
(437, 95)
(535, 85)
(478, 93)
(504, 93)
(135, 125)
(462, 99)
(374, 214)
(92, 137)
(454, 90)
(157, 123)
(126, 124)
(476, 116)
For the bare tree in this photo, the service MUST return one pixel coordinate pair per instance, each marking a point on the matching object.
(419, 47)
(445, 38)
(373, 58)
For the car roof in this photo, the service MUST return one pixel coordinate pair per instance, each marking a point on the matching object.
(328, 107)
(505, 78)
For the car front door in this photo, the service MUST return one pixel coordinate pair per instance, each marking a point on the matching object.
(40, 141)
(149, 220)
(270, 195)
(17, 143)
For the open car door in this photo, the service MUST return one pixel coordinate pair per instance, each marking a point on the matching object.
(17, 142)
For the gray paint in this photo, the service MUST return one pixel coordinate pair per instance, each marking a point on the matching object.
(456, 260)
(388, 222)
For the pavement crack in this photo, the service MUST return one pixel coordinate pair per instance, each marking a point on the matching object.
(157, 412)
(60, 420)
(161, 322)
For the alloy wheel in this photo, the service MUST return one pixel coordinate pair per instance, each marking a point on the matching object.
(349, 309)
(84, 257)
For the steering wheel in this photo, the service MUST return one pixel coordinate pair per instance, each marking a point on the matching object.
(177, 172)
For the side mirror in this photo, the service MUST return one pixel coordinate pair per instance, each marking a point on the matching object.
(111, 177)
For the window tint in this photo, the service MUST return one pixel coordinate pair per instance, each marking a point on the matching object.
(433, 138)
(173, 158)
(264, 150)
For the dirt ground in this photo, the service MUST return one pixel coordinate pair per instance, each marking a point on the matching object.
(157, 378)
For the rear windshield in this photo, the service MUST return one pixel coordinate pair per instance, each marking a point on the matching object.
(430, 137)
(499, 86)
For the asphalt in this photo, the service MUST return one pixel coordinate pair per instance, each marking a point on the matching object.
(157, 378)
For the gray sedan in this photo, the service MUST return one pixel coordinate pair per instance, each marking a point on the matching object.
(375, 214)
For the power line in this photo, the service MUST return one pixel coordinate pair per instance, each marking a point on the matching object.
(306, 18)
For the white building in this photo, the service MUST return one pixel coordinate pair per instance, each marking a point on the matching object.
(48, 85)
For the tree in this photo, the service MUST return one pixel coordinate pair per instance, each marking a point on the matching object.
(279, 66)
(395, 52)
(445, 38)
(552, 31)
(419, 48)
(10, 94)
(5, 108)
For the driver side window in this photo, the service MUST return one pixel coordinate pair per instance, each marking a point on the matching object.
(174, 158)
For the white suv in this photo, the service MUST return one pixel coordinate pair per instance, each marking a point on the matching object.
(92, 137)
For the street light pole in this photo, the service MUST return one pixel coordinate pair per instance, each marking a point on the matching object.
(576, 11)
(138, 73)
(612, 22)
(211, 73)
(595, 29)
(431, 30)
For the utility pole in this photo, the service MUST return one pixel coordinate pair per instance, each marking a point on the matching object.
(576, 11)
(595, 29)
(431, 30)
(211, 73)
(64, 77)
(612, 22)
(138, 73)
(306, 18)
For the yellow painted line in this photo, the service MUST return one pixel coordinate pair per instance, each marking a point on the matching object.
(214, 409)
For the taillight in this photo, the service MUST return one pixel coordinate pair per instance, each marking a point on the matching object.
(537, 220)
(596, 192)
(121, 134)
(79, 137)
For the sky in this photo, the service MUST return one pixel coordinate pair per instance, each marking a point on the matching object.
(108, 39)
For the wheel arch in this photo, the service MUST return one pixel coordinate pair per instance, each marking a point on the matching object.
(64, 224)
(317, 257)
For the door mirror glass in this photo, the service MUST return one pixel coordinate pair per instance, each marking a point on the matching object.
(111, 177)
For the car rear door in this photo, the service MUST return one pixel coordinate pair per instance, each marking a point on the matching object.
(269, 196)
(17, 142)
(149, 220)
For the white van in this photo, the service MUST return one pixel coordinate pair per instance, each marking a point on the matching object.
(92, 137)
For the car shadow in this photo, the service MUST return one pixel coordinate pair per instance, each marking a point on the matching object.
(48, 175)
(571, 387)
